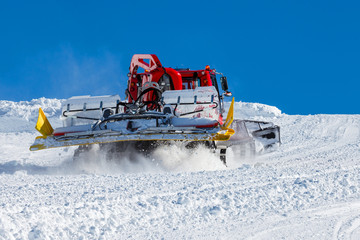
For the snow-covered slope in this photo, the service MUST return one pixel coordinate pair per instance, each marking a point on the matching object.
(309, 188)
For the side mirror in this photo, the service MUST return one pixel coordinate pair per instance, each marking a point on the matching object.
(224, 84)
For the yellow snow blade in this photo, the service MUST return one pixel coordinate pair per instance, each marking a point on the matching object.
(46, 142)
(37, 147)
(43, 125)
(224, 136)
(230, 116)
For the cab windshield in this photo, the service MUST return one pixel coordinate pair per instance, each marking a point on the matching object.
(190, 82)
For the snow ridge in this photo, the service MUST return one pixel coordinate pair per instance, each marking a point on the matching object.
(258, 111)
(28, 110)
(22, 116)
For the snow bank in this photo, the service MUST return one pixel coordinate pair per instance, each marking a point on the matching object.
(28, 110)
(22, 116)
(254, 111)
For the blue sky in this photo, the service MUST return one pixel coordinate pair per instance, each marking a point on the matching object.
(301, 56)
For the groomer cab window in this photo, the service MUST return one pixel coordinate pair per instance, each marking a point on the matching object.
(165, 82)
(190, 82)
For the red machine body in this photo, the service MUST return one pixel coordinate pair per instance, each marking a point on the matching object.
(151, 70)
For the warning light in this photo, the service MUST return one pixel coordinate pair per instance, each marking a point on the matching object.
(207, 68)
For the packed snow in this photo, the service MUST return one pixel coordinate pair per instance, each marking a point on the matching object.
(308, 188)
